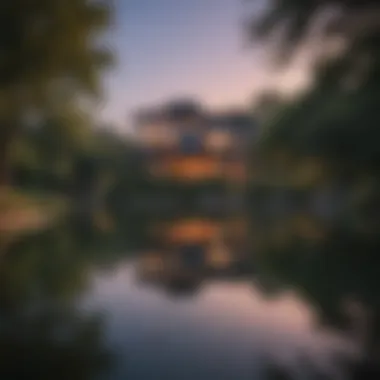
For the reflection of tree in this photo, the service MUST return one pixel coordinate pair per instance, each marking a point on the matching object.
(42, 335)
(275, 372)
(47, 266)
(181, 287)
(333, 274)
(51, 345)
(339, 267)
(53, 264)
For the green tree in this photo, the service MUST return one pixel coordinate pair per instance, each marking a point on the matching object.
(295, 21)
(336, 119)
(50, 52)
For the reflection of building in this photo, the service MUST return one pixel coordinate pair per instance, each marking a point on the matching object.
(182, 141)
(190, 250)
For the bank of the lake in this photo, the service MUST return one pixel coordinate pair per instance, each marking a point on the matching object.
(24, 212)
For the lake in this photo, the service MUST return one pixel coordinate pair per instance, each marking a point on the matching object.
(187, 303)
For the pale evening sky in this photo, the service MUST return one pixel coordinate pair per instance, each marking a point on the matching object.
(192, 48)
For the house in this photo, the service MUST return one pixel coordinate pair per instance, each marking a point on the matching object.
(182, 141)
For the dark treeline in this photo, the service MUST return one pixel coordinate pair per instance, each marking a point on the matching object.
(316, 163)
(315, 191)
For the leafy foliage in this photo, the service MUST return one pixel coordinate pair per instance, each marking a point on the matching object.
(50, 52)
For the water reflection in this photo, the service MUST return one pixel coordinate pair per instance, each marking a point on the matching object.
(185, 252)
(185, 303)
(332, 261)
(43, 334)
(52, 343)
(229, 330)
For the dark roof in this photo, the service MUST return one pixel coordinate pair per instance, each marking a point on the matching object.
(177, 110)
(182, 110)
(147, 116)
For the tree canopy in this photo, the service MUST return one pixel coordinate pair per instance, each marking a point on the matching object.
(337, 117)
(50, 52)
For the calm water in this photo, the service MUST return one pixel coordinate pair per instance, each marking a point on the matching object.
(223, 331)
(79, 304)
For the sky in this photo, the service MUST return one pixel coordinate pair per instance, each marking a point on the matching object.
(167, 49)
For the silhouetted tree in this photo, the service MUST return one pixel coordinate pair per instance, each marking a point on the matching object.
(49, 53)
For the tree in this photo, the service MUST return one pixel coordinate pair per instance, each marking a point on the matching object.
(49, 53)
(337, 118)
(295, 21)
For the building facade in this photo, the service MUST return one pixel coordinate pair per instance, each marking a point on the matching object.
(182, 141)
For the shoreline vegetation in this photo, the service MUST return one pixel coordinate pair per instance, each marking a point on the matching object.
(22, 212)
